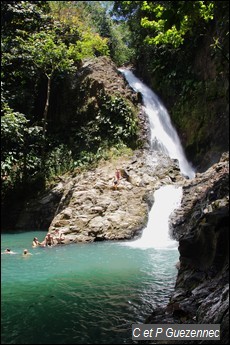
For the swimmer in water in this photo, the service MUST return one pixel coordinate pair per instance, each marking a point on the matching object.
(8, 251)
(26, 253)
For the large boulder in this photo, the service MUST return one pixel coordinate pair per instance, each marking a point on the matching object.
(95, 211)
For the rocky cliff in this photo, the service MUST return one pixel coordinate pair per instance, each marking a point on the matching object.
(201, 225)
(96, 108)
(86, 207)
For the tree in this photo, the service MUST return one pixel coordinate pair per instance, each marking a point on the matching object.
(49, 54)
(164, 22)
(18, 19)
(117, 33)
(94, 20)
(168, 22)
(20, 146)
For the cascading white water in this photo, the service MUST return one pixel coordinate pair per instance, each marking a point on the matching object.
(164, 137)
(156, 234)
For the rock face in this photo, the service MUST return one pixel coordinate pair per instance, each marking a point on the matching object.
(100, 84)
(96, 106)
(201, 225)
(86, 208)
(91, 210)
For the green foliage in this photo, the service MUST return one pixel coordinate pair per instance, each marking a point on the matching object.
(121, 52)
(115, 34)
(59, 161)
(167, 35)
(88, 159)
(182, 52)
(89, 46)
(165, 22)
(20, 149)
(44, 40)
(80, 34)
(22, 15)
(35, 43)
(116, 117)
(50, 54)
(12, 128)
(109, 119)
(20, 18)
(47, 52)
(171, 22)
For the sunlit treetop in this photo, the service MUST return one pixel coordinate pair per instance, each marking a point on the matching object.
(167, 22)
(170, 25)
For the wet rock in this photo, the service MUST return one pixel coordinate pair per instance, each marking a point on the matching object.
(201, 225)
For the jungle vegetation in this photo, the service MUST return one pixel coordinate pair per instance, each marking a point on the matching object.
(44, 44)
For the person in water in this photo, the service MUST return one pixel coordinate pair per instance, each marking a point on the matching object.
(26, 253)
(49, 241)
(8, 251)
(36, 243)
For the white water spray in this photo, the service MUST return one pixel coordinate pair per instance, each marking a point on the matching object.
(164, 137)
(156, 234)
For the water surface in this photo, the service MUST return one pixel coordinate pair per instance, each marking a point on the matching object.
(80, 293)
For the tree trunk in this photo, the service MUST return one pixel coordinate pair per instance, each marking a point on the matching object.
(47, 105)
(45, 123)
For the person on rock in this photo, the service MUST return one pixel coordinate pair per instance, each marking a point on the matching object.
(117, 178)
(59, 236)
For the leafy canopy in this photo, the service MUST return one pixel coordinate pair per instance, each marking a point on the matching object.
(48, 52)
(170, 24)
(165, 22)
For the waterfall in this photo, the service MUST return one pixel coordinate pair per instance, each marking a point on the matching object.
(164, 137)
(156, 234)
